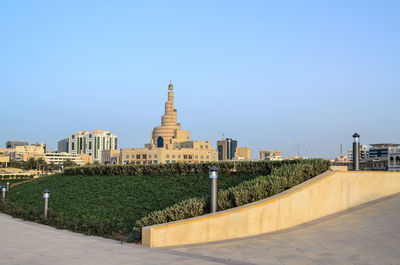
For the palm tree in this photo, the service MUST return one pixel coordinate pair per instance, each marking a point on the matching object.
(41, 164)
(31, 163)
(69, 163)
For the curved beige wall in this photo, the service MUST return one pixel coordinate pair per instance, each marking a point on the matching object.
(325, 194)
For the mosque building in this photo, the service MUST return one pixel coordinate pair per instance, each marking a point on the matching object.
(169, 143)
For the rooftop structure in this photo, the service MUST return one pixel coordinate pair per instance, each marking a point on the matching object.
(15, 143)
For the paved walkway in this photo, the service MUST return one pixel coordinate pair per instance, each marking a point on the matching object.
(369, 234)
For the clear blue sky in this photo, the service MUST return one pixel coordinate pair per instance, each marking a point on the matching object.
(263, 72)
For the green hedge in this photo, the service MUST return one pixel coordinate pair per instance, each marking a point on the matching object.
(281, 178)
(5, 177)
(225, 168)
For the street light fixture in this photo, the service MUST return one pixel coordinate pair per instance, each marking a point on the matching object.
(298, 148)
(356, 152)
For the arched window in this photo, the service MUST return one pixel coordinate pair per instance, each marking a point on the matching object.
(397, 160)
(160, 142)
(391, 161)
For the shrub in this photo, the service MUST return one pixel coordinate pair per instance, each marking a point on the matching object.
(282, 178)
(224, 168)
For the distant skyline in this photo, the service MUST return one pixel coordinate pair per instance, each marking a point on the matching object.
(263, 72)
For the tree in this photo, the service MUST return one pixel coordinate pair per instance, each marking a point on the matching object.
(31, 163)
(41, 163)
(96, 163)
(69, 163)
(17, 164)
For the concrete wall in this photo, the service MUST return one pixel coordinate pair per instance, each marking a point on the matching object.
(328, 193)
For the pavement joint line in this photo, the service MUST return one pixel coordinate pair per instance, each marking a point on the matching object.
(204, 257)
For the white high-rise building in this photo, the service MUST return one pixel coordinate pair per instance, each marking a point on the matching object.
(91, 143)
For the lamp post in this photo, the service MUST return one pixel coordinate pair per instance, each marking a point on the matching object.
(298, 148)
(213, 189)
(3, 192)
(46, 198)
(8, 185)
(356, 152)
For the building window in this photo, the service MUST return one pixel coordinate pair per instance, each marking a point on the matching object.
(149, 156)
(167, 156)
(155, 156)
(179, 156)
(196, 157)
(206, 146)
(167, 161)
(137, 156)
(133, 156)
(201, 157)
(173, 161)
(207, 157)
(90, 145)
(154, 161)
(160, 142)
(144, 156)
(201, 147)
(173, 156)
(73, 146)
(127, 156)
(137, 162)
(185, 156)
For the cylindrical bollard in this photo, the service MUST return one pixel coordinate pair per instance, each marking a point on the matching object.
(3, 192)
(356, 152)
(8, 186)
(213, 189)
(46, 198)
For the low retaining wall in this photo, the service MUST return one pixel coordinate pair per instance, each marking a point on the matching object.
(328, 193)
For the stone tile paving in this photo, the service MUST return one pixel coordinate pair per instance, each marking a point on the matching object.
(368, 234)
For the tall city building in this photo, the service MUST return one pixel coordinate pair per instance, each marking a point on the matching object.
(226, 149)
(169, 143)
(63, 145)
(90, 143)
(15, 143)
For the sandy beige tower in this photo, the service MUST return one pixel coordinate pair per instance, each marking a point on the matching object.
(169, 144)
(169, 132)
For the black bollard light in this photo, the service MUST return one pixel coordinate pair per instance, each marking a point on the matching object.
(356, 152)
(213, 189)
(46, 198)
(3, 192)
(8, 186)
